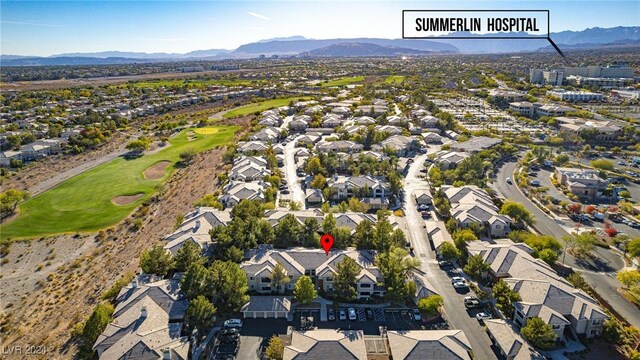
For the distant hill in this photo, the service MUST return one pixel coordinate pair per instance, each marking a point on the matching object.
(363, 49)
(293, 47)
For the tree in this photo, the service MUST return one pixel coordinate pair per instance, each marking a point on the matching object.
(517, 212)
(462, 237)
(187, 156)
(287, 232)
(602, 164)
(199, 315)
(93, 327)
(505, 297)
(328, 224)
(581, 244)
(476, 267)
(304, 290)
(309, 234)
(196, 282)
(229, 285)
(188, 254)
(157, 261)
(344, 283)
(275, 349)
(279, 277)
(549, 256)
(449, 251)
(578, 281)
(395, 266)
(294, 206)
(382, 233)
(633, 247)
(318, 181)
(138, 145)
(342, 237)
(363, 235)
(9, 200)
(431, 305)
(538, 332)
(629, 278)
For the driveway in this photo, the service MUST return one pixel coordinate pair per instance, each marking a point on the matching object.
(600, 277)
(255, 334)
(455, 312)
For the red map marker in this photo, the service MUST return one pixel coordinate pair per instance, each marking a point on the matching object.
(327, 242)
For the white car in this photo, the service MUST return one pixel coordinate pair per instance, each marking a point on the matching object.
(342, 315)
(352, 314)
(416, 315)
(233, 323)
(456, 279)
(460, 285)
(482, 316)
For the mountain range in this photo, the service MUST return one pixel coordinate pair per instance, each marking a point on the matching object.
(342, 47)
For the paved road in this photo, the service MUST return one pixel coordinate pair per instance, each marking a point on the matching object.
(455, 311)
(600, 273)
(290, 169)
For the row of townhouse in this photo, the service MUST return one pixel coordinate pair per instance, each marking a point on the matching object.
(314, 263)
(543, 292)
(472, 205)
(372, 191)
(147, 322)
(390, 344)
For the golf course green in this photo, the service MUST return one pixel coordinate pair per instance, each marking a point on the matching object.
(85, 203)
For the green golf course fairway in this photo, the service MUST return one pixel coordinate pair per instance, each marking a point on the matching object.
(83, 203)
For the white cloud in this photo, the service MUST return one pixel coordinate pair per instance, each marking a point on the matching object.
(259, 16)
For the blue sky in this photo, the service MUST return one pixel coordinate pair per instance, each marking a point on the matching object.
(53, 27)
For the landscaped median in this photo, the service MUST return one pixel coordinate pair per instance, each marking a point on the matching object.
(104, 195)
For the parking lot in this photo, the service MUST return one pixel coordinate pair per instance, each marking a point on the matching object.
(391, 318)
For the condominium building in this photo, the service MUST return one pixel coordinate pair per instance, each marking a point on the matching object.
(576, 96)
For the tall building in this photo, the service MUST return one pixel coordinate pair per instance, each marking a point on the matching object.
(553, 77)
(535, 76)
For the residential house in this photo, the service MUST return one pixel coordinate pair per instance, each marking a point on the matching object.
(195, 228)
(472, 205)
(326, 344)
(146, 322)
(274, 216)
(234, 192)
(363, 120)
(423, 197)
(313, 196)
(432, 138)
(389, 129)
(437, 233)
(339, 146)
(252, 147)
(401, 145)
(331, 121)
(429, 344)
(249, 168)
(267, 134)
(509, 342)
(345, 187)
(299, 123)
(450, 159)
(476, 144)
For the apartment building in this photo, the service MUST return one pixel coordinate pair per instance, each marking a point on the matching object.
(585, 183)
(575, 96)
(314, 263)
(472, 205)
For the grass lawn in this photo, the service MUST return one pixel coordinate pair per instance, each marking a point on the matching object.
(262, 106)
(343, 81)
(83, 203)
(394, 79)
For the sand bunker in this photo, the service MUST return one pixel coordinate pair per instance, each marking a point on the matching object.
(126, 199)
(156, 171)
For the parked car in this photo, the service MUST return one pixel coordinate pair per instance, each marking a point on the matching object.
(471, 302)
(456, 279)
(482, 316)
(331, 314)
(425, 214)
(233, 323)
(342, 315)
(352, 314)
(460, 285)
(369, 313)
(509, 181)
(444, 264)
(534, 183)
(423, 207)
(416, 315)
(285, 191)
